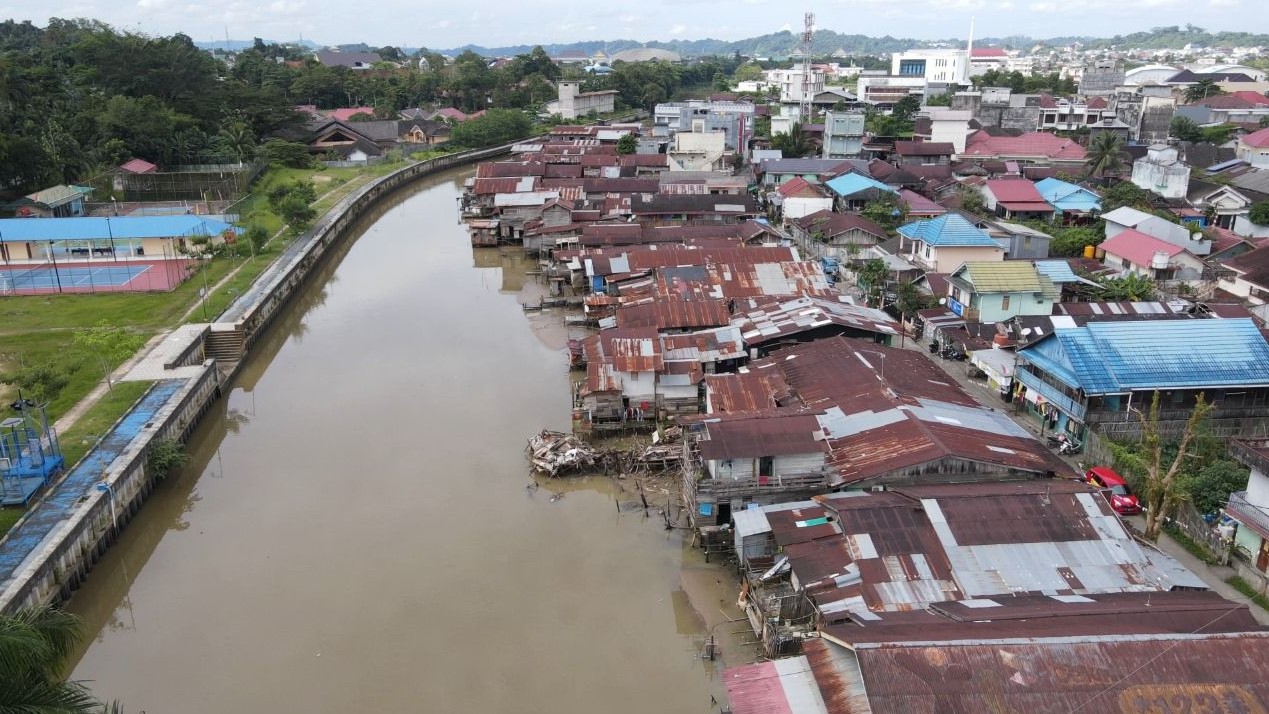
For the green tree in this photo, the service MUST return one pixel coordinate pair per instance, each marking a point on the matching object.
(906, 108)
(793, 144)
(939, 100)
(1217, 134)
(1069, 242)
(972, 200)
(748, 72)
(1129, 288)
(1125, 193)
(1105, 155)
(1259, 213)
(496, 126)
(1161, 477)
(42, 381)
(1185, 129)
(871, 279)
(287, 153)
(108, 344)
(34, 645)
(886, 210)
(1201, 90)
(627, 144)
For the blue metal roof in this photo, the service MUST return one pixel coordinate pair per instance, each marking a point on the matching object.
(851, 183)
(949, 229)
(20, 230)
(1118, 357)
(1068, 196)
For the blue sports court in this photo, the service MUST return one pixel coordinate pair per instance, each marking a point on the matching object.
(73, 277)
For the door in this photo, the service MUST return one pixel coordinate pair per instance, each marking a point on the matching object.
(1262, 558)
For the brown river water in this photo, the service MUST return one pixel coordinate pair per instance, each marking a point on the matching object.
(354, 532)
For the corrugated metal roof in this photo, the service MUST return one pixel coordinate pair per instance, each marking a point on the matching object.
(764, 321)
(116, 227)
(785, 686)
(1007, 276)
(1121, 356)
(1091, 675)
(950, 229)
(746, 436)
(852, 183)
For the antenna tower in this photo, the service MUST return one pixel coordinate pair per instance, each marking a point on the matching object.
(808, 87)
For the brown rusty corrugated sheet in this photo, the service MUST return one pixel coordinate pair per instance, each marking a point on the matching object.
(1093, 675)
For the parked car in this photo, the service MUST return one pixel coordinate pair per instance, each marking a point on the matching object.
(1122, 499)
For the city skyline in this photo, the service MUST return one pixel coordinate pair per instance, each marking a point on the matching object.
(499, 23)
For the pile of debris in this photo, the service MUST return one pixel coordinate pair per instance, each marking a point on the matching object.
(551, 452)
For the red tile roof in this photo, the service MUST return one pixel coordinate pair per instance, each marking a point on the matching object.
(832, 224)
(918, 205)
(1251, 97)
(798, 187)
(1096, 103)
(1018, 195)
(346, 113)
(1138, 247)
(924, 148)
(139, 166)
(1259, 139)
(988, 52)
(1035, 143)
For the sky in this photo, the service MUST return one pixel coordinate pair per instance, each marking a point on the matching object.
(492, 23)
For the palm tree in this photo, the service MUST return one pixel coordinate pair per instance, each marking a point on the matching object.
(1201, 90)
(34, 645)
(794, 144)
(1105, 155)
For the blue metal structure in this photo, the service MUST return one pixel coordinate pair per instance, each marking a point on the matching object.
(29, 452)
(949, 229)
(46, 278)
(67, 495)
(1121, 357)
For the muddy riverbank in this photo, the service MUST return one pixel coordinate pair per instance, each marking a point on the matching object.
(355, 532)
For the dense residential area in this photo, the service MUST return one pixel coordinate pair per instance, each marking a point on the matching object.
(944, 370)
(933, 347)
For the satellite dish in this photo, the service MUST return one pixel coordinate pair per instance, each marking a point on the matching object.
(1026, 331)
(942, 301)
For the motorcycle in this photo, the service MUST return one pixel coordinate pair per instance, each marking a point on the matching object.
(1064, 444)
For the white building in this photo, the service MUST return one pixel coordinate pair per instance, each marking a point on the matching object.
(698, 151)
(933, 65)
(888, 89)
(573, 103)
(1162, 171)
(790, 82)
(949, 125)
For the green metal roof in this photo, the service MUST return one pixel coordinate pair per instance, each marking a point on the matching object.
(1007, 276)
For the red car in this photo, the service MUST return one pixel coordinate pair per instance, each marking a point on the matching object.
(1122, 500)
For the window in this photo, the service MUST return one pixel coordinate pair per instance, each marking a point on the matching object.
(1004, 303)
(1026, 242)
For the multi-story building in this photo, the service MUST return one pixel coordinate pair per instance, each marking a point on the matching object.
(932, 65)
(792, 84)
(734, 119)
(843, 134)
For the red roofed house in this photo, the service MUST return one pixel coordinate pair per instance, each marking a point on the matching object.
(1137, 253)
(841, 235)
(799, 198)
(347, 113)
(1032, 147)
(138, 166)
(1015, 199)
(1254, 149)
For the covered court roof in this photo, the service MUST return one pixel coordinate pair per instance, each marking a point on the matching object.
(20, 230)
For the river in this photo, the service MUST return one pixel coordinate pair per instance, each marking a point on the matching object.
(355, 533)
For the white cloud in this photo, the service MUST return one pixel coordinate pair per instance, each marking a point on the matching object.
(678, 30)
(151, 4)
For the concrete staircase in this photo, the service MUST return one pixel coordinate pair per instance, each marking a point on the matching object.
(225, 346)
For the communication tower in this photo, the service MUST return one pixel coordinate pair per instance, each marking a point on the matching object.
(806, 107)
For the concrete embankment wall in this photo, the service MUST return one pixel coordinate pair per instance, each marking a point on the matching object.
(46, 555)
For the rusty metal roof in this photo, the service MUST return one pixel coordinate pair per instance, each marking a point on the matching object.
(745, 436)
(901, 550)
(1052, 616)
(1089, 675)
(675, 314)
(888, 411)
(836, 673)
(747, 392)
(509, 169)
(490, 186)
(763, 321)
